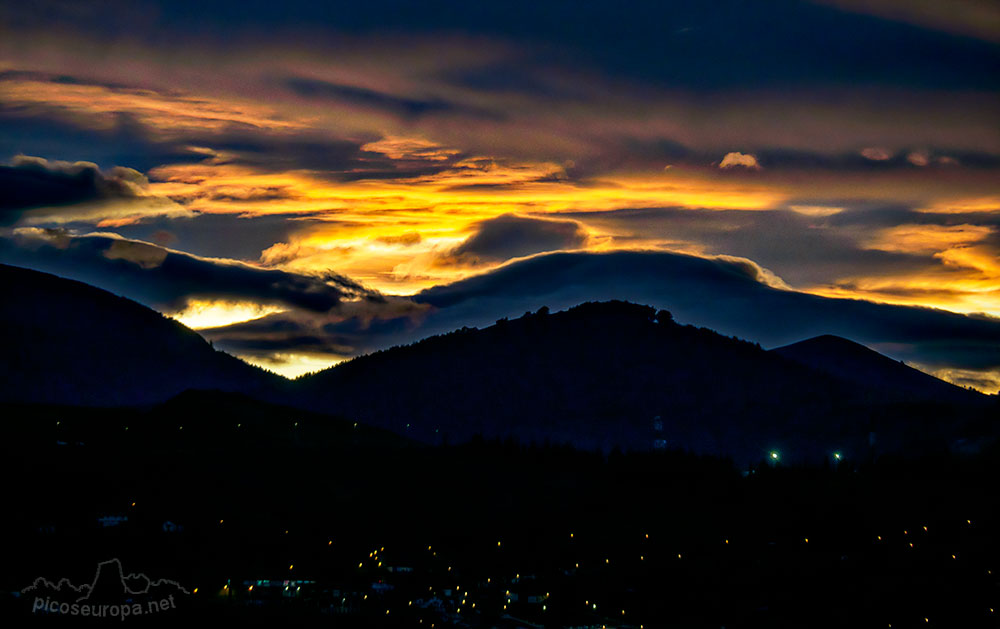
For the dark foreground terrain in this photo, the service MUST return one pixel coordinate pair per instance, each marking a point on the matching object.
(604, 466)
(274, 517)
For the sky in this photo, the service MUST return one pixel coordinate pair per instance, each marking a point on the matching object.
(303, 182)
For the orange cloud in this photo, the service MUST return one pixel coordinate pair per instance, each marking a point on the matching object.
(162, 113)
(927, 238)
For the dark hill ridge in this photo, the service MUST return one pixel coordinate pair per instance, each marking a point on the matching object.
(864, 367)
(65, 342)
(600, 374)
(597, 375)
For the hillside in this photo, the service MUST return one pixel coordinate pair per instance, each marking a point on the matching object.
(619, 374)
(864, 367)
(65, 342)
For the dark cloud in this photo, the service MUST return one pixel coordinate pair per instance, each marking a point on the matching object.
(372, 99)
(166, 279)
(358, 328)
(877, 159)
(972, 18)
(33, 182)
(730, 296)
(130, 143)
(233, 236)
(682, 44)
(511, 236)
(803, 250)
(125, 142)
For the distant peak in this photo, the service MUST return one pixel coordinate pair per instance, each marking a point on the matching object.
(826, 341)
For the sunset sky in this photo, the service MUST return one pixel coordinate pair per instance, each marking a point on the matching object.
(306, 181)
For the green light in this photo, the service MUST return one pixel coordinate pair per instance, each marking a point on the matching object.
(836, 455)
(774, 456)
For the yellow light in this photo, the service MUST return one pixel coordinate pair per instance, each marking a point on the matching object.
(199, 314)
(291, 566)
(195, 590)
(250, 589)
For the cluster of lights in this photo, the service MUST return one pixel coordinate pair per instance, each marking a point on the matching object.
(509, 597)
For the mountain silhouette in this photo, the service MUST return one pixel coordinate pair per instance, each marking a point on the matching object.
(620, 374)
(66, 342)
(888, 379)
(597, 376)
